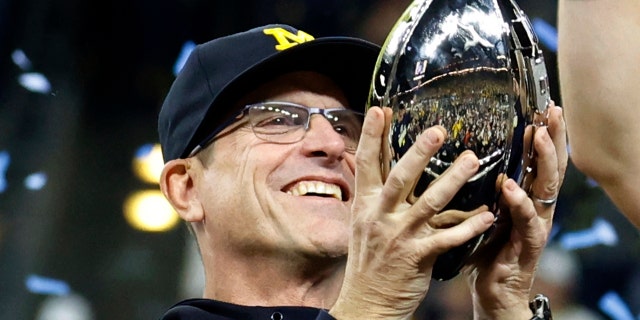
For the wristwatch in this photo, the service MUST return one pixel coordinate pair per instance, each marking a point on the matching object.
(540, 308)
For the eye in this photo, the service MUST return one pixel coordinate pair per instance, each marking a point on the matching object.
(347, 124)
(277, 118)
(347, 130)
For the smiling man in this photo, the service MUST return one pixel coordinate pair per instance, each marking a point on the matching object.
(272, 162)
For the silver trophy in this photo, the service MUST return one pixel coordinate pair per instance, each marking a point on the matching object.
(474, 67)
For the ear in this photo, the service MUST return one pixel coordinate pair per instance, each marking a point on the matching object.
(177, 185)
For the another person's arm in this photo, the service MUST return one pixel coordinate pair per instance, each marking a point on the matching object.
(599, 69)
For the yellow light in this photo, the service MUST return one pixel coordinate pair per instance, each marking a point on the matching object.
(150, 211)
(148, 163)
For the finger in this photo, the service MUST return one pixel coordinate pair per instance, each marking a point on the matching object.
(440, 192)
(404, 175)
(528, 158)
(387, 151)
(546, 184)
(450, 218)
(368, 175)
(517, 202)
(558, 132)
(446, 239)
(532, 229)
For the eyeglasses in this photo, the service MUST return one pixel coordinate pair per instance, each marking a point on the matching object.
(285, 122)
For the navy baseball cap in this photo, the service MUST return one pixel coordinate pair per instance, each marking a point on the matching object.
(220, 72)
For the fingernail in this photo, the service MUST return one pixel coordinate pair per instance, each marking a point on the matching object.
(468, 162)
(510, 185)
(487, 217)
(433, 136)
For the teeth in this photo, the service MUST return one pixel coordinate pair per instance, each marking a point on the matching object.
(316, 187)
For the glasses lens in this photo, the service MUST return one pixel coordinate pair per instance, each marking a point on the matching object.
(287, 123)
(278, 122)
(347, 123)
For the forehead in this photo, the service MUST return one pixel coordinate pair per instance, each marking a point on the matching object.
(299, 86)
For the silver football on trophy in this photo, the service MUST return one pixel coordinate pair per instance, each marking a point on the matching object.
(475, 68)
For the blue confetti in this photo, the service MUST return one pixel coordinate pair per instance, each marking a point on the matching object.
(35, 82)
(613, 306)
(144, 150)
(601, 233)
(547, 33)
(35, 181)
(5, 159)
(187, 47)
(20, 59)
(592, 183)
(43, 285)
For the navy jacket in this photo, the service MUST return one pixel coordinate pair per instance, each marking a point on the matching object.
(206, 309)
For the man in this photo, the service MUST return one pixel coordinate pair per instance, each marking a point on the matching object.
(259, 135)
(598, 54)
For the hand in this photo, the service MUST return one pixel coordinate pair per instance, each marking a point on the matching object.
(393, 246)
(501, 284)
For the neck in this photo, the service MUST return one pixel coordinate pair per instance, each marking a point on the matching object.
(266, 280)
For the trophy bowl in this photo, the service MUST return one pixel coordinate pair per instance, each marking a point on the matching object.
(473, 67)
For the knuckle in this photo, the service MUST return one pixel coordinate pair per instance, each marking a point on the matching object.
(397, 180)
(552, 188)
(429, 202)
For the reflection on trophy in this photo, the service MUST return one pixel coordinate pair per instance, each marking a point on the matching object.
(473, 67)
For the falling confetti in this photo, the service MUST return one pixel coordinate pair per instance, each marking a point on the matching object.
(612, 305)
(35, 82)
(600, 233)
(43, 285)
(35, 181)
(5, 159)
(187, 47)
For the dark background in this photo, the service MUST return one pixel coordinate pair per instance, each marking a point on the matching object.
(110, 65)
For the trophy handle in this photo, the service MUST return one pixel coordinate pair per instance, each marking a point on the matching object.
(532, 73)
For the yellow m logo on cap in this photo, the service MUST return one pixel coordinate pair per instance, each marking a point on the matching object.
(287, 39)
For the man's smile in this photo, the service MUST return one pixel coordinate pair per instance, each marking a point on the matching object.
(315, 188)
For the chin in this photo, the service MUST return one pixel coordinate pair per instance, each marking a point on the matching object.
(335, 245)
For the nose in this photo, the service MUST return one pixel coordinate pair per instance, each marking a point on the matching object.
(321, 140)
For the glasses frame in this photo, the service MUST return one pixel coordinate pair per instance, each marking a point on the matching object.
(325, 112)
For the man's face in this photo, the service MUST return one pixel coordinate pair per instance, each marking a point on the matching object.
(261, 197)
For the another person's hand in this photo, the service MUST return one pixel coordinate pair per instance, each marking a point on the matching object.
(393, 245)
(501, 283)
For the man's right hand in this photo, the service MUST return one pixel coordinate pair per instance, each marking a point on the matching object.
(393, 245)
